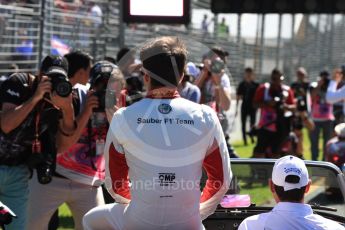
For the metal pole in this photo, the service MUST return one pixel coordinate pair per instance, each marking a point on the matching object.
(215, 27)
(279, 40)
(239, 44)
(292, 49)
(262, 45)
(331, 41)
(304, 46)
(342, 35)
(121, 26)
(318, 51)
(106, 28)
(256, 48)
(41, 40)
(239, 20)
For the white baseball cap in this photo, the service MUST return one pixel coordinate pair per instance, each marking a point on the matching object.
(286, 166)
(340, 130)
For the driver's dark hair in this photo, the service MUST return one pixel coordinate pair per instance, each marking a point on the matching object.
(164, 58)
(293, 195)
(77, 60)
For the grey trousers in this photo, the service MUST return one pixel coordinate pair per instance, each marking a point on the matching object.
(45, 199)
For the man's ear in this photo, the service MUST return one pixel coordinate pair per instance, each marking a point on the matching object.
(270, 183)
(308, 186)
(147, 78)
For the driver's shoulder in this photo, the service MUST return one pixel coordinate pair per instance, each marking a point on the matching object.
(326, 224)
(254, 222)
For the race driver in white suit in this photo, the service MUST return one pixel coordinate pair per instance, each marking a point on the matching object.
(156, 150)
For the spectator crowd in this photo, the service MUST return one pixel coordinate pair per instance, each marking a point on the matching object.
(54, 123)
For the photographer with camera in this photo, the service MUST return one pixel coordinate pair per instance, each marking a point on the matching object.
(321, 113)
(301, 116)
(37, 120)
(214, 84)
(276, 101)
(45, 199)
(129, 66)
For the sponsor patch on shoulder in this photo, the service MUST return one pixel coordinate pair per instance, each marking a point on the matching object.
(164, 108)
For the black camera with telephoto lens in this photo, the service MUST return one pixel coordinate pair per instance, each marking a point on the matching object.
(106, 98)
(301, 104)
(279, 98)
(60, 82)
(42, 161)
(45, 172)
(100, 74)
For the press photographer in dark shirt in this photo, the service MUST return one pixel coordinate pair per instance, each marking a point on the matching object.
(276, 102)
(301, 118)
(37, 120)
(245, 92)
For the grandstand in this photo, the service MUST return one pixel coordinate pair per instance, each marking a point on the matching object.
(29, 30)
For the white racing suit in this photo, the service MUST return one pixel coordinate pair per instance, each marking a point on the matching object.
(155, 152)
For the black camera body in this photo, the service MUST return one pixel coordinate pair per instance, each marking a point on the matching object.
(301, 104)
(44, 165)
(45, 172)
(106, 98)
(279, 102)
(60, 82)
(217, 65)
(279, 98)
(100, 74)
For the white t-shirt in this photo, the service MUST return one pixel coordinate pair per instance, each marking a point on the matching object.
(333, 95)
(289, 216)
(210, 90)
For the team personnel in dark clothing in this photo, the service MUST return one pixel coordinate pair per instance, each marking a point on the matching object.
(245, 92)
(301, 89)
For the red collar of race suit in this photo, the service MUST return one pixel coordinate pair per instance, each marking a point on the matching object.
(163, 93)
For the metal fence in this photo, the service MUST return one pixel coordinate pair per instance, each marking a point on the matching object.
(30, 31)
(19, 37)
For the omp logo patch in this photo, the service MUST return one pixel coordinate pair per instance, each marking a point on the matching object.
(166, 179)
(12, 93)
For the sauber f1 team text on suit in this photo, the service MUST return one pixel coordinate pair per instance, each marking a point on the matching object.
(155, 152)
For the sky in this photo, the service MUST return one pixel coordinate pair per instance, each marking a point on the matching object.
(249, 23)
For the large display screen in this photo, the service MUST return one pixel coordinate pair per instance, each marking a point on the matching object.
(156, 11)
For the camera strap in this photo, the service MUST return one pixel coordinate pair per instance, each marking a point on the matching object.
(36, 145)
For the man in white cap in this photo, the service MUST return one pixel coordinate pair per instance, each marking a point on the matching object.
(335, 148)
(290, 181)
